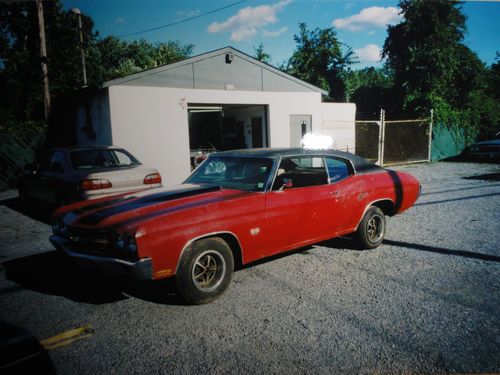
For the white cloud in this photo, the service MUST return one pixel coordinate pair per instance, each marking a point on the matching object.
(119, 21)
(348, 6)
(369, 17)
(248, 21)
(187, 13)
(271, 34)
(243, 33)
(369, 53)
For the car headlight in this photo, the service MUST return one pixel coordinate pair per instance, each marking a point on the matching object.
(56, 228)
(126, 242)
(60, 229)
(120, 242)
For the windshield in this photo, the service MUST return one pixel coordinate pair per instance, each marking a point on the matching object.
(98, 159)
(241, 173)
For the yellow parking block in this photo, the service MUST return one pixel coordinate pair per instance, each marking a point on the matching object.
(67, 337)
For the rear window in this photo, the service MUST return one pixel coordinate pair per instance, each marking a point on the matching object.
(100, 159)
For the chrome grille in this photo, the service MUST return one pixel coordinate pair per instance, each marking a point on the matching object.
(91, 241)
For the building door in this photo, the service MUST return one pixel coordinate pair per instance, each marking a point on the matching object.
(257, 132)
(233, 136)
(300, 125)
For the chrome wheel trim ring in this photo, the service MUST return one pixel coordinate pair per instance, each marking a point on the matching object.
(208, 271)
(375, 228)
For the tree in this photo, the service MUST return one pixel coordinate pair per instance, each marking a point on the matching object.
(494, 79)
(432, 67)
(369, 76)
(20, 73)
(422, 51)
(260, 54)
(370, 89)
(320, 59)
(118, 58)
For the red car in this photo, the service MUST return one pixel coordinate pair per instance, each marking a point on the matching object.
(235, 208)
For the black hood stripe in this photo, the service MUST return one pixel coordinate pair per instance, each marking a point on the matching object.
(133, 203)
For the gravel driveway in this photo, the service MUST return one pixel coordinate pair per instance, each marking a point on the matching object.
(427, 300)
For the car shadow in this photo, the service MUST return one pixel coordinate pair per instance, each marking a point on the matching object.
(469, 197)
(464, 158)
(484, 177)
(339, 243)
(33, 211)
(53, 273)
(444, 251)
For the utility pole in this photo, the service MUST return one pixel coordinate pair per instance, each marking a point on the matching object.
(43, 59)
(82, 50)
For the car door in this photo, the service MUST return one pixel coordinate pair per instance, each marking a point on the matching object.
(302, 212)
(344, 190)
(45, 184)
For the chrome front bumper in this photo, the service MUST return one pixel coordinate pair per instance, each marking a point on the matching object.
(142, 269)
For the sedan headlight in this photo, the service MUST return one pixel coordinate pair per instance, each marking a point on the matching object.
(126, 242)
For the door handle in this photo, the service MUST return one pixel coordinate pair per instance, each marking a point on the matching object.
(335, 193)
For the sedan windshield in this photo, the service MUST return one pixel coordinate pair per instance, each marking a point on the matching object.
(240, 173)
(105, 158)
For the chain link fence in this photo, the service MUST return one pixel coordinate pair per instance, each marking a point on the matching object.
(15, 153)
(394, 142)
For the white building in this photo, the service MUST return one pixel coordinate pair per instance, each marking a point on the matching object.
(223, 99)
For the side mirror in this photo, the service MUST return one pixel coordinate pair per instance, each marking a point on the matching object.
(287, 184)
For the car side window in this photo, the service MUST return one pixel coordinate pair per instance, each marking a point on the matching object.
(57, 162)
(303, 171)
(338, 169)
(123, 159)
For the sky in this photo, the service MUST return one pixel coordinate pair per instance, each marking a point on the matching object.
(244, 24)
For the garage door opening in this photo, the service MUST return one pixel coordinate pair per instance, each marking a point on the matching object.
(226, 127)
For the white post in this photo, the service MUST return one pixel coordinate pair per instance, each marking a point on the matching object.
(430, 136)
(382, 136)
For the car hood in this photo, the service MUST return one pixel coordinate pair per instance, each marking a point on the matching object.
(140, 206)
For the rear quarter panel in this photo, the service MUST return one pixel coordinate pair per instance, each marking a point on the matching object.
(365, 190)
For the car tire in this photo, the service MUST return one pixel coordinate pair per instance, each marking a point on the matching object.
(205, 271)
(371, 230)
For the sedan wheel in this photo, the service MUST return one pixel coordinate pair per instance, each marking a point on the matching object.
(371, 230)
(205, 270)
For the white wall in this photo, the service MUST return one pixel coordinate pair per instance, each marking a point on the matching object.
(152, 122)
(338, 122)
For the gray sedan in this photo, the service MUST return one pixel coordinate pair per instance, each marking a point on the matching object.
(65, 175)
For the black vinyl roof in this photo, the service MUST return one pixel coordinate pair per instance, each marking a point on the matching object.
(359, 164)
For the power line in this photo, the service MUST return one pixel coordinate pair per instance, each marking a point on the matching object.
(183, 20)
